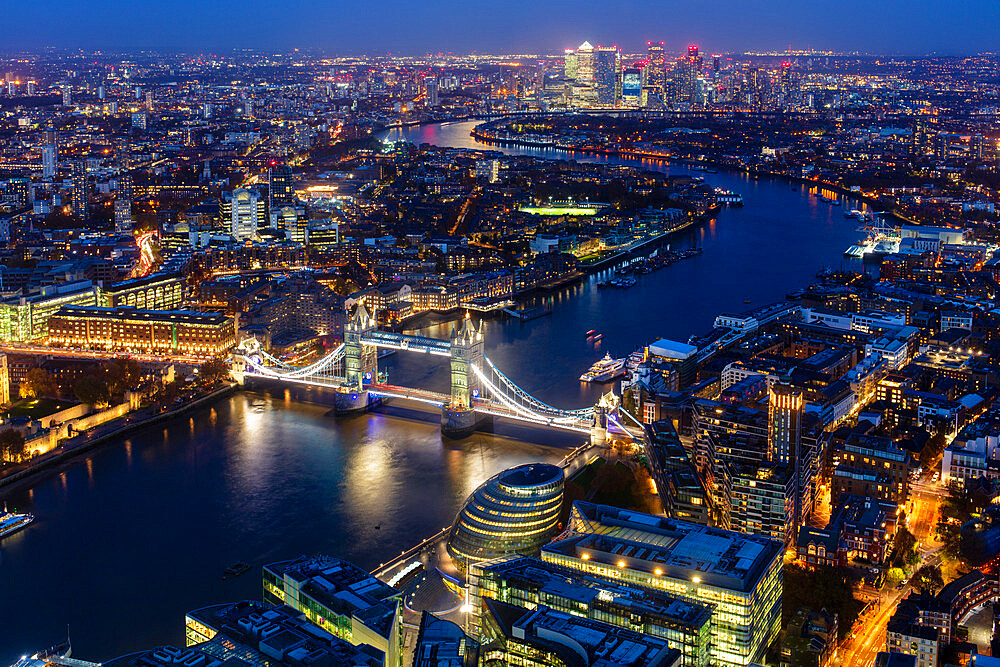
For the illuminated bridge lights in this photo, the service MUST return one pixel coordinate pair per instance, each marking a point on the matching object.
(496, 395)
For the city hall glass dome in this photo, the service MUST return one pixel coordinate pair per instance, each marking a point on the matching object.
(515, 511)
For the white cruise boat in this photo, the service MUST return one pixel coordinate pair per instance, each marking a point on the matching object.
(605, 370)
(11, 522)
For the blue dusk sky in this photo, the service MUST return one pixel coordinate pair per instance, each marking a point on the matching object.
(411, 27)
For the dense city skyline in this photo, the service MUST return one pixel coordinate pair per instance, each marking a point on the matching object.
(610, 334)
(348, 28)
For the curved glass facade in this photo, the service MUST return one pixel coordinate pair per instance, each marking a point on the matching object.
(515, 511)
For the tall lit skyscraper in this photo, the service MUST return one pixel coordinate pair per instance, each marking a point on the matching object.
(242, 212)
(48, 161)
(976, 145)
(784, 436)
(431, 91)
(918, 138)
(631, 87)
(790, 85)
(755, 87)
(569, 64)
(123, 215)
(686, 79)
(81, 189)
(656, 72)
(585, 64)
(606, 68)
(280, 188)
(582, 92)
(67, 96)
(784, 422)
(942, 146)
(125, 186)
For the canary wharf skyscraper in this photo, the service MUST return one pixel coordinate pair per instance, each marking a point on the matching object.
(657, 67)
(606, 68)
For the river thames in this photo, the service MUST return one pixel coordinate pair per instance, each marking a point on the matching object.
(130, 537)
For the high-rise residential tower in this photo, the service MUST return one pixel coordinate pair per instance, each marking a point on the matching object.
(243, 213)
(281, 188)
(49, 157)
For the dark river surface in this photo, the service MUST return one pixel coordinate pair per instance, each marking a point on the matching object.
(138, 532)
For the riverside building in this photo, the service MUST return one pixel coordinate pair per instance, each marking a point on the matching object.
(527, 582)
(134, 330)
(253, 633)
(739, 575)
(340, 598)
(515, 511)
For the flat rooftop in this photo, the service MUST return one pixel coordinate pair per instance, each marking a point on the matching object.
(672, 349)
(134, 283)
(556, 580)
(602, 643)
(262, 634)
(135, 314)
(342, 587)
(679, 549)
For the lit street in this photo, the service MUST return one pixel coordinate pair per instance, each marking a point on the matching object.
(923, 508)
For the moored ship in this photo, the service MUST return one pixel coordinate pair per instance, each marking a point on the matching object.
(605, 370)
(11, 522)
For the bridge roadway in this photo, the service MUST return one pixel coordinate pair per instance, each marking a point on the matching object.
(488, 407)
(487, 391)
(395, 391)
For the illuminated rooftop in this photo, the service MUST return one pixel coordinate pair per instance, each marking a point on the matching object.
(666, 547)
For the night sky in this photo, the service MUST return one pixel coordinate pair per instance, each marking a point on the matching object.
(412, 27)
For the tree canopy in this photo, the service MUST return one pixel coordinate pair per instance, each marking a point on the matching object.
(37, 382)
(11, 445)
(213, 370)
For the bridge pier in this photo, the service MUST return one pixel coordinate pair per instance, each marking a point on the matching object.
(460, 423)
(354, 402)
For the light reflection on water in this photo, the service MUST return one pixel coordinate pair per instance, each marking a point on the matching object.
(153, 524)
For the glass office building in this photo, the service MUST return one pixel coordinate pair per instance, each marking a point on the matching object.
(739, 575)
(340, 598)
(528, 582)
(543, 637)
(515, 511)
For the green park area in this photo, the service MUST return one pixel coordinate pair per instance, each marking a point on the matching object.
(36, 408)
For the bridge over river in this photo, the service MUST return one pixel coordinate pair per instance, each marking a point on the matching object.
(479, 390)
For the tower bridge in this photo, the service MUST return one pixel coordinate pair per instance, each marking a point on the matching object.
(479, 390)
